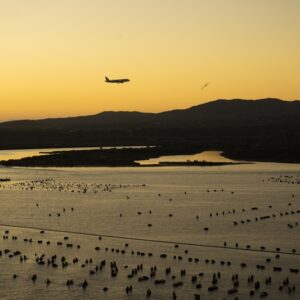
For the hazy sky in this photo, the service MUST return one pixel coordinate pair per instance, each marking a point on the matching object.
(54, 54)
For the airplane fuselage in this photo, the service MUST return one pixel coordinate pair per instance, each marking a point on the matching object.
(116, 80)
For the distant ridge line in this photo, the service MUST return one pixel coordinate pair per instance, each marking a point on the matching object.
(111, 112)
(265, 130)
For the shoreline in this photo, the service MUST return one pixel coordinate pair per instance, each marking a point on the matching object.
(207, 164)
(131, 157)
(128, 157)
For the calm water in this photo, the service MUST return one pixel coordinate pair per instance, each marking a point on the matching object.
(173, 204)
(21, 153)
(212, 156)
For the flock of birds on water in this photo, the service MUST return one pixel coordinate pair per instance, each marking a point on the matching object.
(258, 280)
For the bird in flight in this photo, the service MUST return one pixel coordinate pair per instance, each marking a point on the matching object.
(205, 85)
(116, 80)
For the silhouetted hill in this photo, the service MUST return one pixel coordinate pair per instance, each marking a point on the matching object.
(216, 113)
(101, 119)
(237, 111)
(266, 129)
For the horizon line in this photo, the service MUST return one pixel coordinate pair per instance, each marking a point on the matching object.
(146, 112)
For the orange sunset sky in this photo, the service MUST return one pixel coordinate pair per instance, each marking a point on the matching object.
(55, 53)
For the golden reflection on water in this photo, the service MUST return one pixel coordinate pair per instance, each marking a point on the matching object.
(18, 154)
(211, 156)
(21, 153)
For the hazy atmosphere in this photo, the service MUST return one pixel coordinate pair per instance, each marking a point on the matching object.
(54, 54)
(150, 149)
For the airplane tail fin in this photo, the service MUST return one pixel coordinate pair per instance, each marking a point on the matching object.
(106, 78)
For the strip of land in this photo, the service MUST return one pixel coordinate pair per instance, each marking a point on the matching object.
(126, 157)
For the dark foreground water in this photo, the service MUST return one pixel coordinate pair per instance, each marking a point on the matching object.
(227, 222)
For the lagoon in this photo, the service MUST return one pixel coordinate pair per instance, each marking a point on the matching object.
(115, 203)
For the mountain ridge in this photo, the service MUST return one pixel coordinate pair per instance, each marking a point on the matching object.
(220, 110)
(259, 130)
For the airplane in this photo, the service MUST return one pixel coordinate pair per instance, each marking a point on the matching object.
(116, 80)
